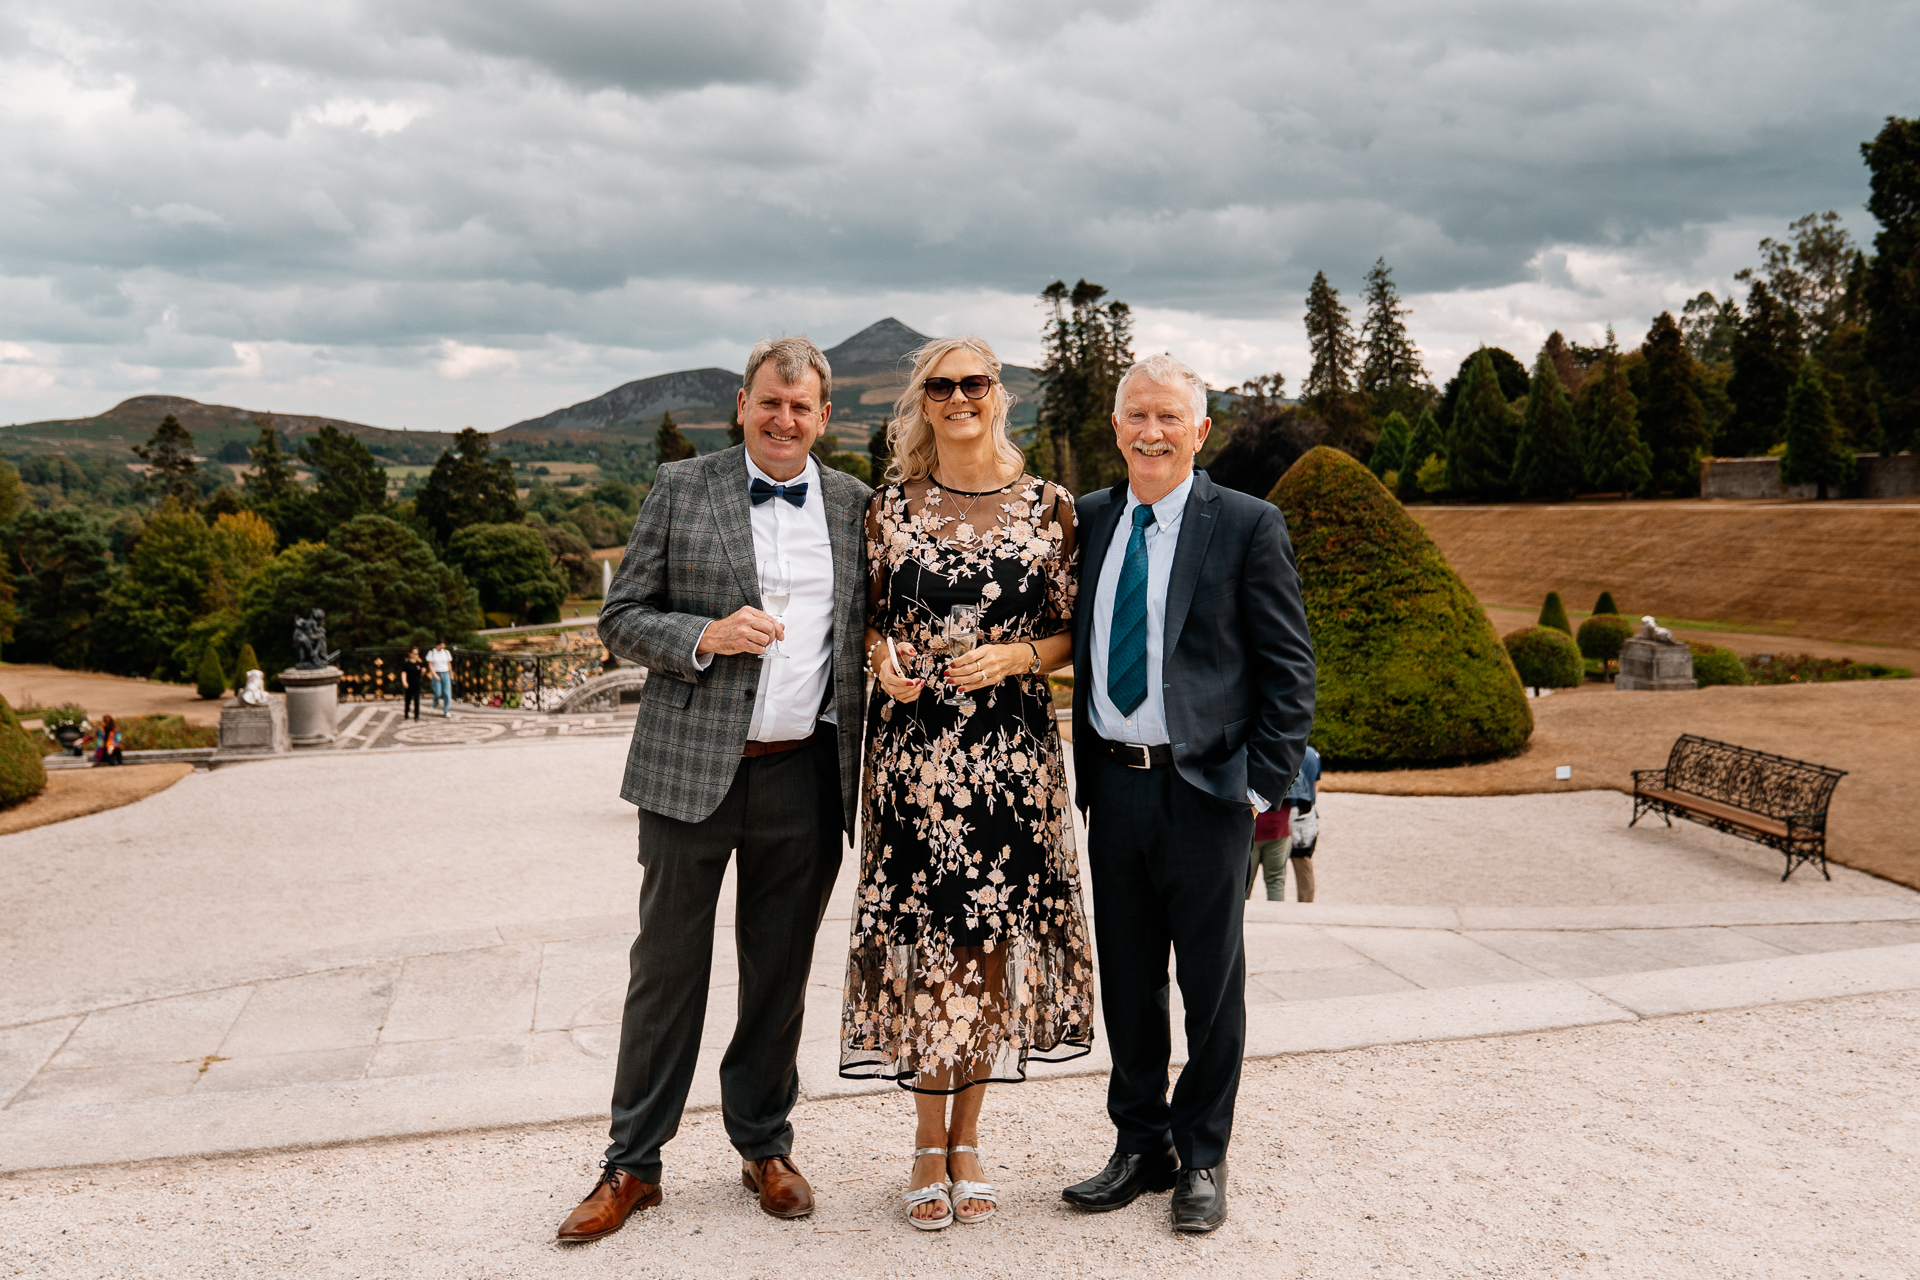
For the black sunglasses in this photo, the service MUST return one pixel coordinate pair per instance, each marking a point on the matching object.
(974, 387)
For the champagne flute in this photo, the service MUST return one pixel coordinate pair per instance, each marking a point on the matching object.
(963, 633)
(776, 591)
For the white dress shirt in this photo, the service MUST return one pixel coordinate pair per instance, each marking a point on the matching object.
(1147, 726)
(1147, 723)
(792, 688)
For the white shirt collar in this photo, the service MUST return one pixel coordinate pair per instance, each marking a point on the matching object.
(810, 474)
(1165, 511)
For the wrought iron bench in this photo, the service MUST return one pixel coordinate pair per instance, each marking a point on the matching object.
(1769, 799)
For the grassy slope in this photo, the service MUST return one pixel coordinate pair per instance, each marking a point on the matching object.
(1831, 570)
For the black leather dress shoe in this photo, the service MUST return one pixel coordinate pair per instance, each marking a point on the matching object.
(1200, 1199)
(1121, 1182)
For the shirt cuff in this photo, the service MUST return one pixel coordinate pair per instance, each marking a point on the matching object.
(1258, 802)
(701, 661)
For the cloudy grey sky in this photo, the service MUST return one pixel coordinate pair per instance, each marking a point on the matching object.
(436, 213)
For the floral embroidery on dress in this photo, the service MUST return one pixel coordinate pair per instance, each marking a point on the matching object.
(969, 946)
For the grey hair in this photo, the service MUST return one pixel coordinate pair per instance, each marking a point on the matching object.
(792, 357)
(1168, 372)
(910, 435)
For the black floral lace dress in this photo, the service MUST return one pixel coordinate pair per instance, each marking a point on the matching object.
(969, 950)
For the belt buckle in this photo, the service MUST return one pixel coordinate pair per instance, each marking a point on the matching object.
(1146, 755)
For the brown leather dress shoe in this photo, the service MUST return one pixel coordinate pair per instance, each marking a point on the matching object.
(783, 1192)
(606, 1210)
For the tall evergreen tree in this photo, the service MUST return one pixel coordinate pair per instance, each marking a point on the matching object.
(468, 485)
(1480, 441)
(1546, 461)
(1565, 367)
(348, 481)
(1391, 372)
(272, 490)
(1766, 359)
(64, 573)
(1426, 442)
(1088, 344)
(1510, 374)
(171, 470)
(1814, 452)
(1329, 392)
(1391, 446)
(670, 444)
(1891, 283)
(1672, 423)
(1617, 462)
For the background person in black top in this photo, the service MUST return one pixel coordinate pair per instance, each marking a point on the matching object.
(413, 674)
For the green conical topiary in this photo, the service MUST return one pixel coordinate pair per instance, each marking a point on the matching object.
(1605, 603)
(245, 663)
(1554, 614)
(1410, 671)
(23, 774)
(211, 680)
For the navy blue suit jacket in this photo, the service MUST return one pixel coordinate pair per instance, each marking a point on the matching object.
(1238, 668)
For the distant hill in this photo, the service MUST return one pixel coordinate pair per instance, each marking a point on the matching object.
(212, 425)
(868, 371)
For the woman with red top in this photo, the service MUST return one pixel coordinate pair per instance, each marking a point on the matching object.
(106, 742)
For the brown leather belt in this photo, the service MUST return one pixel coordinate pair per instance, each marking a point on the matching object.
(753, 749)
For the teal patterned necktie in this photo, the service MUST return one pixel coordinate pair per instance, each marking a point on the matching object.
(1127, 638)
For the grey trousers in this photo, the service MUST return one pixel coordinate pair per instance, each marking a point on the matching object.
(782, 818)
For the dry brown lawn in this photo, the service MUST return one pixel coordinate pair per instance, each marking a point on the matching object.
(33, 685)
(74, 793)
(1870, 728)
(1828, 571)
(1742, 642)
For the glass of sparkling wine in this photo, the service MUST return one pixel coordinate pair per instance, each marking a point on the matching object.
(776, 590)
(963, 633)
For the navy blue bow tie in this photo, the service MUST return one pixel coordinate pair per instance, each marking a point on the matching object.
(764, 492)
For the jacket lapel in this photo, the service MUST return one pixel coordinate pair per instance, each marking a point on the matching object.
(1196, 531)
(845, 528)
(1093, 554)
(727, 491)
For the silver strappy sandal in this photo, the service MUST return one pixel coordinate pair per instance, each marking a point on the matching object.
(932, 1191)
(964, 1190)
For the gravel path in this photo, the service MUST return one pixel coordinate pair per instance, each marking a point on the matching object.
(1776, 1142)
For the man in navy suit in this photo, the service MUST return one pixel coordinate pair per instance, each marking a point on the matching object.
(1192, 701)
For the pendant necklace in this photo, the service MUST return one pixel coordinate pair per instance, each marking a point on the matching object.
(961, 519)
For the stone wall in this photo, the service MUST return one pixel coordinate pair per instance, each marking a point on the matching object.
(1878, 477)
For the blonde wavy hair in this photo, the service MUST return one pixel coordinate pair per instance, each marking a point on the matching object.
(910, 442)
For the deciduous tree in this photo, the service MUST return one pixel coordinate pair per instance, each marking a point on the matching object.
(511, 567)
(63, 573)
(1890, 283)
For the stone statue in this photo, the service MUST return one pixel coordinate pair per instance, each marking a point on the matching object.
(1649, 630)
(310, 643)
(255, 694)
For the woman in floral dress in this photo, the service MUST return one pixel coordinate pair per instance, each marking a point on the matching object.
(969, 952)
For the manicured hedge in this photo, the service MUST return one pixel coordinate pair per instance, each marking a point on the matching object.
(1554, 614)
(1411, 672)
(22, 775)
(211, 680)
(1545, 658)
(1601, 637)
(1715, 665)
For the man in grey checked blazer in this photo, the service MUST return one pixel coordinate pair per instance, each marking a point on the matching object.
(735, 754)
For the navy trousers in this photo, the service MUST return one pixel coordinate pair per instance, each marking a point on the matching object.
(1169, 866)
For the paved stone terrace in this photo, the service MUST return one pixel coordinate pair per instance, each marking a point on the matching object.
(307, 1006)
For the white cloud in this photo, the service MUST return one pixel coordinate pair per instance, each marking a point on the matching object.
(458, 361)
(376, 118)
(176, 214)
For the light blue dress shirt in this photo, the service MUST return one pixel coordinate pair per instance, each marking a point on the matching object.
(1147, 725)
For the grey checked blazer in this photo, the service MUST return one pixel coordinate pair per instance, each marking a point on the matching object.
(690, 560)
